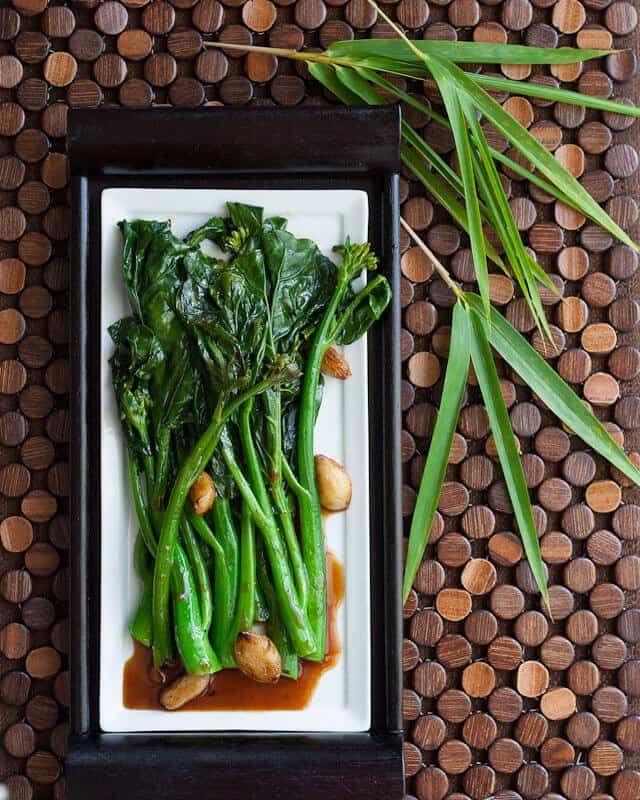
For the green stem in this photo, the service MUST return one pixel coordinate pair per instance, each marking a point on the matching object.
(141, 625)
(223, 596)
(193, 465)
(292, 614)
(273, 406)
(227, 535)
(246, 605)
(142, 513)
(292, 481)
(162, 469)
(195, 651)
(276, 630)
(312, 535)
(200, 572)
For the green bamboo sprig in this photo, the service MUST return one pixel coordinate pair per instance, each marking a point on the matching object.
(473, 338)
(355, 73)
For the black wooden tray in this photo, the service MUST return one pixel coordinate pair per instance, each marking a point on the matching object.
(235, 148)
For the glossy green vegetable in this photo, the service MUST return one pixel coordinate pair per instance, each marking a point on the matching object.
(211, 373)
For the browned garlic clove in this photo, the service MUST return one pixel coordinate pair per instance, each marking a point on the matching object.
(183, 690)
(335, 364)
(202, 493)
(258, 657)
(334, 484)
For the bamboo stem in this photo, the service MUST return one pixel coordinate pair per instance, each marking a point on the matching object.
(442, 271)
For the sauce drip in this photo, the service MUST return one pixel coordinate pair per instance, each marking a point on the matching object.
(233, 691)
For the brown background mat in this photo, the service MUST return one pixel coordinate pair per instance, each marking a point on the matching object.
(497, 699)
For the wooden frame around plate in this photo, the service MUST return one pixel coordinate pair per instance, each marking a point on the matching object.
(275, 148)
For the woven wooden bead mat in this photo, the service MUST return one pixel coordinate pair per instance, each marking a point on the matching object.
(499, 700)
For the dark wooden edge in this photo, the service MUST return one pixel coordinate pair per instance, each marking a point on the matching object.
(149, 765)
(236, 140)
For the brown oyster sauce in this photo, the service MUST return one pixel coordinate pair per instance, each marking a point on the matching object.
(233, 691)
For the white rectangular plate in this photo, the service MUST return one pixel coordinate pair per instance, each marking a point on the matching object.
(342, 700)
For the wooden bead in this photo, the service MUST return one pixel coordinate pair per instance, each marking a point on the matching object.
(531, 729)
(429, 679)
(558, 703)
(556, 547)
(583, 729)
(426, 627)
(506, 756)
(454, 705)
(453, 651)
(478, 679)
(601, 389)
(603, 547)
(504, 653)
(479, 730)
(43, 662)
(628, 733)
(453, 550)
(532, 780)
(15, 687)
(606, 600)
(603, 496)
(557, 653)
(609, 704)
(531, 628)
(557, 754)
(505, 549)
(410, 655)
(432, 784)
(14, 640)
(453, 604)
(429, 732)
(580, 575)
(532, 679)
(454, 757)
(626, 784)
(605, 758)
(627, 572)
(583, 677)
(505, 704)
(609, 651)
(481, 627)
(16, 585)
(506, 602)
(578, 782)
(19, 740)
(478, 576)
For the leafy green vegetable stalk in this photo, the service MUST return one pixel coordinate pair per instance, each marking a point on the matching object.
(347, 317)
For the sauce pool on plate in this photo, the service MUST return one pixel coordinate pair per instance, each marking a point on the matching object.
(233, 691)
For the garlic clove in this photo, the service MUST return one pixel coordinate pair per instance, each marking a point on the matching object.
(183, 690)
(335, 364)
(334, 484)
(202, 493)
(258, 657)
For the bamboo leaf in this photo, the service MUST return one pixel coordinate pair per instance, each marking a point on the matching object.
(554, 93)
(464, 52)
(552, 390)
(455, 381)
(489, 383)
(538, 155)
(326, 75)
(503, 221)
(442, 194)
(359, 86)
(465, 160)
